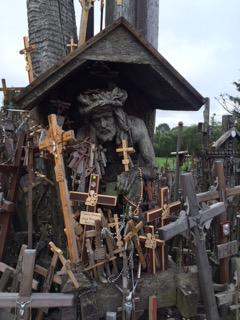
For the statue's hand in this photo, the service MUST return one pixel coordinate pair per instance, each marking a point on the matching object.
(126, 180)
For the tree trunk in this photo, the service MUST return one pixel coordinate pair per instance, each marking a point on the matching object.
(51, 25)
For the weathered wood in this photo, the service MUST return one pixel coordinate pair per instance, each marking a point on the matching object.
(187, 300)
(227, 249)
(152, 311)
(5, 279)
(195, 222)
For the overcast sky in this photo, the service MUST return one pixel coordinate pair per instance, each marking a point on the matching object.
(199, 38)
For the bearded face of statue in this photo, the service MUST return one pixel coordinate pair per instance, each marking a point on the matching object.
(104, 125)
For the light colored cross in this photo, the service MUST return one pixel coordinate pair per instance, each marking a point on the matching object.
(26, 51)
(125, 150)
(72, 45)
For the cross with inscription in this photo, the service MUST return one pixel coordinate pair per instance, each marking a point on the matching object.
(125, 150)
(91, 200)
(54, 142)
(195, 221)
(25, 300)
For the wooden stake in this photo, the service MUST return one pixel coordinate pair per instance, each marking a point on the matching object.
(26, 51)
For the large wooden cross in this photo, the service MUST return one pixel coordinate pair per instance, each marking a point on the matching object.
(86, 6)
(54, 142)
(25, 300)
(195, 221)
(224, 194)
(91, 200)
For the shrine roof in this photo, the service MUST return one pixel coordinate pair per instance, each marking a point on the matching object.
(125, 57)
(231, 133)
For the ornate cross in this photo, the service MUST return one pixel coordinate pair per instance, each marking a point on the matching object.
(125, 150)
(54, 142)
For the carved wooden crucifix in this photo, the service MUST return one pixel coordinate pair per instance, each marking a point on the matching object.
(55, 139)
(25, 300)
(125, 150)
(91, 200)
(195, 221)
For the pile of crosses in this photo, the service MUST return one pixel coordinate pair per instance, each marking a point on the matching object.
(106, 246)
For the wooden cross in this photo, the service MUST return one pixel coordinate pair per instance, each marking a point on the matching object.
(54, 142)
(195, 221)
(6, 89)
(26, 51)
(86, 6)
(161, 214)
(151, 244)
(25, 299)
(133, 234)
(16, 171)
(72, 45)
(124, 149)
(91, 200)
(221, 193)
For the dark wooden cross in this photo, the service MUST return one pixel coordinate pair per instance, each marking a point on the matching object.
(15, 171)
(25, 300)
(223, 194)
(195, 221)
(91, 200)
(125, 150)
(54, 142)
(26, 51)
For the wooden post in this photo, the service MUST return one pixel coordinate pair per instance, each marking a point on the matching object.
(195, 221)
(55, 140)
(152, 311)
(26, 51)
(86, 6)
(25, 300)
(177, 170)
(125, 150)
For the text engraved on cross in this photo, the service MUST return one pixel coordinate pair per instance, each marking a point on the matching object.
(55, 139)
(25, 300)
(125, 150)
(195, 220)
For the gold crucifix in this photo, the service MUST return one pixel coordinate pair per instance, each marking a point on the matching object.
(26, 51)
(125, 150)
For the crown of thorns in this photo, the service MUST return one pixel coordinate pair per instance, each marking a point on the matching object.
(98, 101)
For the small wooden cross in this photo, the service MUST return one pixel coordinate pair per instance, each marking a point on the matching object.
(72, 45)
(115, 224)
(54, 142)
(133, 234)
(6, 89)
(91, 200)
(195, 221)
(151, 244)
(125, 150)
(26, 51)
(25, 299)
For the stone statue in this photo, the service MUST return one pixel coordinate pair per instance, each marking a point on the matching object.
(107, 124)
